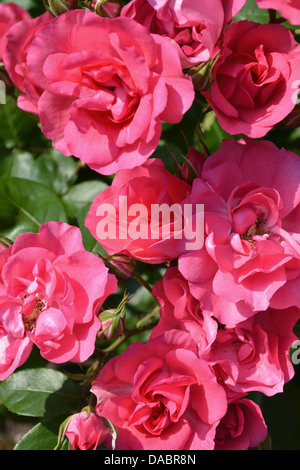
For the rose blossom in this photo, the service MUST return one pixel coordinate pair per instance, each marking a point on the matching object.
(242, 427)
(86, 432)
(194, 26)
(254, 356)
(108, 83)
(51, 290)
(255, 79)
(251, 194)
(181, 310)
(136, 234)
(161, 396)
(19, 39)
(10, 13)
(290, 9)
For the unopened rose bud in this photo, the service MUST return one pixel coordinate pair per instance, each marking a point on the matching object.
(202, 74)
(86, 430)
(112, 325)
(120, 265)
(106, 8)
(113, 321)
(57, 7)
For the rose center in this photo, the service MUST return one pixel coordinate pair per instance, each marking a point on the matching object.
(257, 229)
(32, 307)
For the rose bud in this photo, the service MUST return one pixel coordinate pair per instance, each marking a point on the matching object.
(113, 321)
(106, 8)
(86, 431)
(120, 265)
(57, 7)
(112, 325)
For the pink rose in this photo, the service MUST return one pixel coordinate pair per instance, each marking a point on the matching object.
(131, 227)
(51, 290)
(242, 427)
(254, 356)
(108, 84)
(181, 310)
(255, 79)
(86, 432)
(19, 39)
(161, 396)
(194, 26)
(10, 13)
(251, 196)
(290, 9)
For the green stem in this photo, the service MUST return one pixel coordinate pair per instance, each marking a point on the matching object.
(142, 281)
(149, 321)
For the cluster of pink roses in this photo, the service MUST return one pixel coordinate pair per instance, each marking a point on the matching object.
(104, 101)
(227, 310)
(101, 87)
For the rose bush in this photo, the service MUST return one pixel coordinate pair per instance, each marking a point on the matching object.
(45, 300)
(149, 262)
(255, 78)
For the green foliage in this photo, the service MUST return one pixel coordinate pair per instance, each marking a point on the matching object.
(43, 436)
(250, 11)
(39, 184)
(26, 205)
(39, 392)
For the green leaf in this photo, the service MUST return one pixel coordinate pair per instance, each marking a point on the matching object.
(251, 12)
(25, 205)
(43, 436)
(50, 168)
(39, 392)
(89, 242)
(16, 126)
(214, 134)
(34, 7)
(60, 171)
(82, 194)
